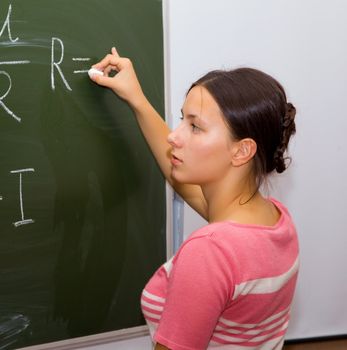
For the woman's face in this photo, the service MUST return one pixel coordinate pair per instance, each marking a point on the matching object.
(201, 144)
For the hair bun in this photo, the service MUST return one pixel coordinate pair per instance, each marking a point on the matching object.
(289, 116)
(288, 129)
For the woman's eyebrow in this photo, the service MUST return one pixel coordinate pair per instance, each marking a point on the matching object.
(193, 116)
(189, 115)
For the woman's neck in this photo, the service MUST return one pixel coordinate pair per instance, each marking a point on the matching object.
(244, 207)
(224, 200)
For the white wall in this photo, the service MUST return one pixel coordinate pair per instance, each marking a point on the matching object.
(304, 45)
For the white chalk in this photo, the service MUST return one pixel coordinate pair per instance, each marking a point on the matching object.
(93, 71)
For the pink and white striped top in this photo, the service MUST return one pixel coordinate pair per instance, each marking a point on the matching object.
(229, 286)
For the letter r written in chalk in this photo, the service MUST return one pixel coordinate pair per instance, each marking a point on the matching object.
(56, 64)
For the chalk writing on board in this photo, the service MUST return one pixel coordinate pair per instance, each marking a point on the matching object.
(83, 59)
(23, 221)
(57, 44)
(7, 25)
(56, 65)
(10, 326)
(2, 104)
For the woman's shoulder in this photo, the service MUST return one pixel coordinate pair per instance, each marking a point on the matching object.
(216, 236)
(234, 227)
(233, 235)
(209, 231)
(280, 206)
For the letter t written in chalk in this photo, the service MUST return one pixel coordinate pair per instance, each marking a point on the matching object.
(23, 221)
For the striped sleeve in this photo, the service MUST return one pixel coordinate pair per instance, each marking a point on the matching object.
(199, 286)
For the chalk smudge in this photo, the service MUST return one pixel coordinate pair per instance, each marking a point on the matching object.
(10, 327)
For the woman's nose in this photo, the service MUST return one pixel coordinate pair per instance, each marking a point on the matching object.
(173, 139)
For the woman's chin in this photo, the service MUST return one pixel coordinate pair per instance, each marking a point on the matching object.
(179, 178)
(176, 176)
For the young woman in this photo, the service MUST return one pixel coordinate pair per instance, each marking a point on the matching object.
(231, 284)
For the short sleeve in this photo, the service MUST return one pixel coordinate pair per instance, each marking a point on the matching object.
(199, 288)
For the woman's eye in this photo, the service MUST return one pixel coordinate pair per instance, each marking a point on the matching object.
(195, 128)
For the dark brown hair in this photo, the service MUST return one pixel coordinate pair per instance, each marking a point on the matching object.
(254, 106)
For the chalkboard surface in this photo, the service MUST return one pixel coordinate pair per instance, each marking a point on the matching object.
(82, 202)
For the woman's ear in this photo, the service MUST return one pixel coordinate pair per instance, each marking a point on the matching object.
(243, 151)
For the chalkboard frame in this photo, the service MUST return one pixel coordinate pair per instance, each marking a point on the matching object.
(93, 340)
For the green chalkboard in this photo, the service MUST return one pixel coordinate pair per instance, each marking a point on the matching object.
(82, 201)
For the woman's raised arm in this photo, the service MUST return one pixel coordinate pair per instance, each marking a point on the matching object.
(126, 85)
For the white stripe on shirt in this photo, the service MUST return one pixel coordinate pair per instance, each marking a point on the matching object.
(266, 285)
(250, 340)
(152, 306)
(153, 297)
(253, 331)
(273, 344)
(253, 325)
(151, 315)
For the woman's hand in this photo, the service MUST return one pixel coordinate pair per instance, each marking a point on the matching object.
(125, 83)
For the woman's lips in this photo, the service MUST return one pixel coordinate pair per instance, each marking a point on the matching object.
(175, 161)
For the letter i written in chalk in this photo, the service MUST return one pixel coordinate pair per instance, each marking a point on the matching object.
(23, 221)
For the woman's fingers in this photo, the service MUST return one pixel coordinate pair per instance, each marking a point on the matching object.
(105, 62)
(117, 62)
(125, 83)
(114, 52)
(109, 69)
(108, 60)
(102, 80)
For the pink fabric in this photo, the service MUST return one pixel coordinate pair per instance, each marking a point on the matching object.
(228, 285)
